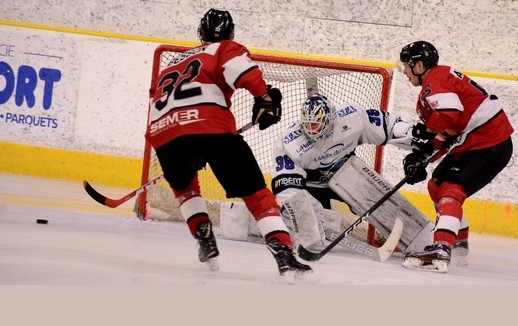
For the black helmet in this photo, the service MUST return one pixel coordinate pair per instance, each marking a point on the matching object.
(216, 25)
(420, 51)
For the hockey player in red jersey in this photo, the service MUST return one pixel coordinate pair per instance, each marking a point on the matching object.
(191, 124)
(458, 113)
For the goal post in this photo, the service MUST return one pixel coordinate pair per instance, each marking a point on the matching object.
(367, 86)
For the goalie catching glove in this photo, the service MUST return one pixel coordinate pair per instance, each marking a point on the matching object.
(267, 108)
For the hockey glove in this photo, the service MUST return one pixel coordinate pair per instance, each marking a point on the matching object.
(414, 167)
(422, 139)
(267, 112)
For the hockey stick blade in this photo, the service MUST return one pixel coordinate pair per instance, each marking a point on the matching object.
(309, 255)
(103, 200)
(386, 250)
(94, 193)
(358, 247)
(110, 202)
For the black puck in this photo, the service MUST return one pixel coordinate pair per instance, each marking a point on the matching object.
(41, 221)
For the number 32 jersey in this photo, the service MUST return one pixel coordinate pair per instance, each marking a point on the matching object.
(301, 162)
(192, 95)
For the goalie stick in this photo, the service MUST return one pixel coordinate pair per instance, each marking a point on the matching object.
(381, 254)
(315, 256)
(110, 202)
(312, 256)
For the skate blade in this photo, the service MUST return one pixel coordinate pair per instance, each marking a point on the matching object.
(213, 264)
(438, 266)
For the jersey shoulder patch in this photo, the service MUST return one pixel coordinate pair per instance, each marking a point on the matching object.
(345, 110)
(292, 133)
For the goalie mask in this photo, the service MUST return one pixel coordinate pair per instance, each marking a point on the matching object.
(216, 25)
(318, 115)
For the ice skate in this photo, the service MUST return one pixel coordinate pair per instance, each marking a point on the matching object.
(288, 265)
(435, 257)
(207, 248)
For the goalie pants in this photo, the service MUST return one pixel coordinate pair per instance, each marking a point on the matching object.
(325, 195)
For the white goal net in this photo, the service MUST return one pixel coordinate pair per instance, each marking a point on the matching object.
(296, 78)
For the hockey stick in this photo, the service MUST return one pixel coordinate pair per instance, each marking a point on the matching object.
(315, 256)
(312, 256)
(245, 128)
(110, 202)
(103, 200)
(354, 246)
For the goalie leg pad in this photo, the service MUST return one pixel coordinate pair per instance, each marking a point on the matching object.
(237, 223)
(361, 187)
(331, 219)
(303, 214)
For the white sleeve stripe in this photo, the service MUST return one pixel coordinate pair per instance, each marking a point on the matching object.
(235, 67)
(486, 112)
(445, 101)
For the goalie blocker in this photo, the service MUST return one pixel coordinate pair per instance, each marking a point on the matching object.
(361, 187)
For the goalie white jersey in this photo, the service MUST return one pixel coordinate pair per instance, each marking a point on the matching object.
(301, 162)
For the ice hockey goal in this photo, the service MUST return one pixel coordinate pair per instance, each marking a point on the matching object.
(365, 85)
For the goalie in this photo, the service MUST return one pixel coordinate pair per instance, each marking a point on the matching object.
(315, 162)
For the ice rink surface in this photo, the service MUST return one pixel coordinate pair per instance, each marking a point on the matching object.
(87, 245)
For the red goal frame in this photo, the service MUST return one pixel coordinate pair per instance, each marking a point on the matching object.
(140, 206)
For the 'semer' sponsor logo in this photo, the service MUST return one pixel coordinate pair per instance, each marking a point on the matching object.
(178, 117)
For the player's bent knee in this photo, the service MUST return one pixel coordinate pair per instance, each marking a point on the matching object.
(452, 190)
(262, 203)
(182, 191)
